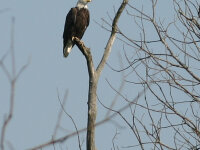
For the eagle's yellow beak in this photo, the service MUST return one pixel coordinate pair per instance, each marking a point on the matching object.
(88, 0)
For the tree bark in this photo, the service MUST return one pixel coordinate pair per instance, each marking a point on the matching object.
(92, 113)
(92, 106)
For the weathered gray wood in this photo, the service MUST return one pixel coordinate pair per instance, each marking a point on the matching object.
(94, 77)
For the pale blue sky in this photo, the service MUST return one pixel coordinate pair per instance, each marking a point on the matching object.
(38, 37)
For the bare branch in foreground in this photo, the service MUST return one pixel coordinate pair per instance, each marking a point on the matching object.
(65, 97)
(12, 77)
(60, 115)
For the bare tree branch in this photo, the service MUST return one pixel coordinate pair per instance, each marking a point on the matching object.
(12, 83)
(79, 143)
(94, 77)
(13, 77)
(112, 38)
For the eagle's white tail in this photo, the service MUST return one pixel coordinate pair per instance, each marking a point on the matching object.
(67, 49)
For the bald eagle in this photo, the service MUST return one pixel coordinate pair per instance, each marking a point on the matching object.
(77, 21)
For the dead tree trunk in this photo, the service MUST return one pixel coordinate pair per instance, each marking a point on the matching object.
(94, 75)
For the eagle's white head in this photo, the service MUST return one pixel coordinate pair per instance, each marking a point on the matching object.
(82, 3)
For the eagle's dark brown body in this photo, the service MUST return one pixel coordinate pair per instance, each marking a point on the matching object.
(77, 21)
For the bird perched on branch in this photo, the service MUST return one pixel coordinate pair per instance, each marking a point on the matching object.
(77, 21)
